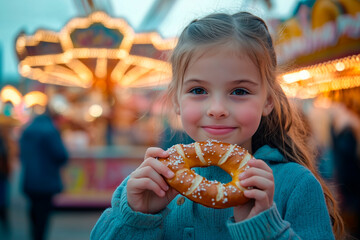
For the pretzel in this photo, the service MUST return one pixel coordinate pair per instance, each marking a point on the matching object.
(230, 157)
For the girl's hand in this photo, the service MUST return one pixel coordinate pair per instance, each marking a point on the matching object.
(147, 191)
(261, 180)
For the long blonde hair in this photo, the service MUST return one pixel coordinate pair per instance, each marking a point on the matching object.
(283, 128)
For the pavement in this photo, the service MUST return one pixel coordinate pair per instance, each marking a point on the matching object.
(74, 224)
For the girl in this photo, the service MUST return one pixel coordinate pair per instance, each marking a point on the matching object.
(224, 88)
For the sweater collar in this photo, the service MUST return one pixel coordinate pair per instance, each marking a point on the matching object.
(268, 153)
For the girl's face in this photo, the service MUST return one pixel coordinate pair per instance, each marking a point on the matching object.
(222, 97)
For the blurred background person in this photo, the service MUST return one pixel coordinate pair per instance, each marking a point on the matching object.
(345, 134)
(42, 154)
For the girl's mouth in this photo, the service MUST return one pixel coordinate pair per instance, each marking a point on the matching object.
(218, 130)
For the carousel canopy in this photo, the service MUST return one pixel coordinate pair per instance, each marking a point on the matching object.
(95, 50)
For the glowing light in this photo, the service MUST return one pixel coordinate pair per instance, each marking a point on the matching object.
(11, 94)
(25, 69)
(70, 68)
(340, 66)
(35, 97)
(324, 77)
(101, 68)
(304, 74)
(296, 76)
(95, 110)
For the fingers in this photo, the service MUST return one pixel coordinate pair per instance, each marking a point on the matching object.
(138, 185)
(155, 152)
(257, 168)
(157, 166)
(259, 177)
(261, 197)
(257, 182)
(148, 176)
(150, 160)
(149, 172)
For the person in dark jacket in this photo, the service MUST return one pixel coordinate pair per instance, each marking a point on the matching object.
(345, 133)
(42, 154)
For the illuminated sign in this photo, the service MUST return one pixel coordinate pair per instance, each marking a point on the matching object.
(345, 26)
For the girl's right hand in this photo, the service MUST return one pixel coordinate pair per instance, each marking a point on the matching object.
(147, 191)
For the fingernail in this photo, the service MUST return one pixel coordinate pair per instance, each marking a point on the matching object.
(170, 174)
(242, 175)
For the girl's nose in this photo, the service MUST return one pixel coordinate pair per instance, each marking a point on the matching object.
(217, 109)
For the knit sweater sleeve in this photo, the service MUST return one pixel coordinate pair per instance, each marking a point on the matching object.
(306, 216)
(121, 222)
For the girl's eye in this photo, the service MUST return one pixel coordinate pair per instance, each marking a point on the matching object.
(239, 91)
(197, 91)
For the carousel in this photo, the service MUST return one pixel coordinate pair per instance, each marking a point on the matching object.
(99, 64)
(104, 79)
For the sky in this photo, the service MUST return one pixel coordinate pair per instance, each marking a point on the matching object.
(30, 15)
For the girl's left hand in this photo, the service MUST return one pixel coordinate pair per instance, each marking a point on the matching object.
(260, 179)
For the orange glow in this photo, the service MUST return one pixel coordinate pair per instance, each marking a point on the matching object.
(308, 82)
(69, 68)
(35, 97)
(11, 94)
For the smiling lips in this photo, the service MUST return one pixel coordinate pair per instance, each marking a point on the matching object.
(218, 130)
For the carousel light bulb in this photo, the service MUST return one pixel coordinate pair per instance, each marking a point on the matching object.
(95, 110)
(25, 69)
(296, 76)
(11, 94)
(304, 74)
(35, 97)
(340, 66)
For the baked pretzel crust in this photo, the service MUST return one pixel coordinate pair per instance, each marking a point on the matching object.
(211, 193)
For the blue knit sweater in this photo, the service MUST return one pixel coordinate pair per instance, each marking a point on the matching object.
(299, 211)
